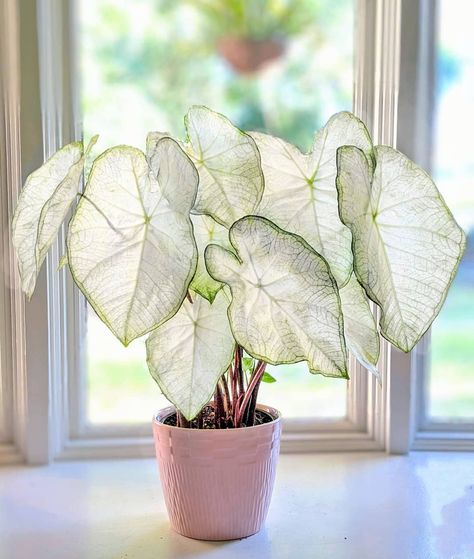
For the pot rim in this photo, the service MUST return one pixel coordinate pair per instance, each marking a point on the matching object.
(166, 412)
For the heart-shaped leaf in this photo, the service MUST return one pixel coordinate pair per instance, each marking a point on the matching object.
(407, 245)
(188, 354)
(267, 377)
(360, 330)
(131, 248)
(207, 231)
(42, 207)
(285, 306)
(228, 161)
(300, 192)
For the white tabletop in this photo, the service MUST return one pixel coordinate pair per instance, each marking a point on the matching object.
(361, 506)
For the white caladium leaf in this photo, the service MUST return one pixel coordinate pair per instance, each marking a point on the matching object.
(188, 354)
(407, 245)
(42, 207)
(153, 154)
(300, 191)
(360, 330)
(131, 248)
(285, 305)
(172, 168)
(207, 231)
(152, 139)
(230, 174)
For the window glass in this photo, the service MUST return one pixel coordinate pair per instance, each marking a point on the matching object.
(282, 67)
(451, 379)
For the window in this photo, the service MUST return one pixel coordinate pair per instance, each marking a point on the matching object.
(450, 394)
(443, 362)
(76, 391)
(156, 59)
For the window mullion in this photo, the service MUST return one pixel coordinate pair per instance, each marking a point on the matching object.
(37, 440)
(415, 138)
(8, 125)
(32, 35)
(389, 35)
(60, 126)
(15, 402)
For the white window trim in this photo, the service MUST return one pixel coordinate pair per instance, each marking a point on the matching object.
(47, 356)
(12, 364)
(6, 392)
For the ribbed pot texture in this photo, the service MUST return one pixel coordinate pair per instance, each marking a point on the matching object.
(217, 483)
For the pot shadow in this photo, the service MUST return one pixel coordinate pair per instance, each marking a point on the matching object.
(455, 535)
(256, 545)
(161, 541)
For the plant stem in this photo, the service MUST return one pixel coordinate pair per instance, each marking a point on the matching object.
(253, 385)
(237, 367)
(234, 403)
(233, 379)
(218, 407)
(240, 371)
(226, 394)
(235, 414)
(250, 415)
(181, 421)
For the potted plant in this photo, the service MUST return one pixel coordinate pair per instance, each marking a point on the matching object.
(252, 33)
(234, 250)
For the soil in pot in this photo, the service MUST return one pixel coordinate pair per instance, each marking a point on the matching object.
(208, 422)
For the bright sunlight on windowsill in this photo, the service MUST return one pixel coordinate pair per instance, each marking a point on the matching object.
(324, 506)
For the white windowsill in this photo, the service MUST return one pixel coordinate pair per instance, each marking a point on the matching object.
(359, 505)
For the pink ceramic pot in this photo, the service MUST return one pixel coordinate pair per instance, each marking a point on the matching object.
(217, 483)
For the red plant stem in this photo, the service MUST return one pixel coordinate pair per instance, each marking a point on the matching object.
(250, 413)
(227, 401)
(181, 421)
(240, 371)
(234, 373)
(235, 413)
(189, 298)
(237, 366)
(218, 407)
(254, 382)
(233, 386)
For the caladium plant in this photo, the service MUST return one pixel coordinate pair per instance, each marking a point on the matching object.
(233, 250)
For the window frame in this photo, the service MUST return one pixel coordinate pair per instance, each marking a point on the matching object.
(418, 111)
(6, 389)
(47, 332)
(357, 431)
(13, 396)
